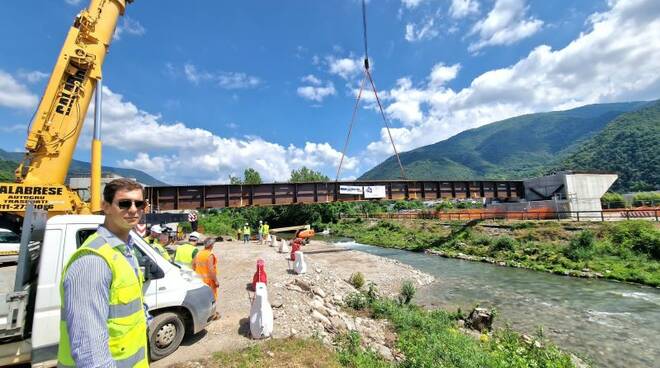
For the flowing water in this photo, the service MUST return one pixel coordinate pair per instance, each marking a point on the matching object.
(611, 324)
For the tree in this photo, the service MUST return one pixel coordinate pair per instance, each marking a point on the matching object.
(251, 176)
(306, 175)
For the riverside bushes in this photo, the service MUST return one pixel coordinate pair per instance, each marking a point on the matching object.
(622, 250)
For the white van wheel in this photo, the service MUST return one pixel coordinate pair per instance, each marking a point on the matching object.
(165, 335)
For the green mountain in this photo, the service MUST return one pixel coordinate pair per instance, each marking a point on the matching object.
(9, 162)
(518, 147)
(629, 146)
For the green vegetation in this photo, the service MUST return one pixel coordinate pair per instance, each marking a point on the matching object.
(7, 170)
(426, 339)
(624, 250)
(618, 137)
(357, 280)
(628, 146)
(305, 175)
(225, 221)
(612, 200)
(433, 339)
(250, 175)
(407, 292)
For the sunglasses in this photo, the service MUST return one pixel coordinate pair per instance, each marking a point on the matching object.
(125, 204)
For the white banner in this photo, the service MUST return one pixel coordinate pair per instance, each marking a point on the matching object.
(349, 189)
(375, 191)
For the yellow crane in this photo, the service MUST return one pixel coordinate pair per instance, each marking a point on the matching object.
(58, 121)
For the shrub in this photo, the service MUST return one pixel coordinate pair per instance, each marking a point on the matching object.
(640, 236)
(612, 200)
(407, 292)
(372, 292)
(504, 243)
(581, 247)
(357, 280)
(356, 300)
(187, 228)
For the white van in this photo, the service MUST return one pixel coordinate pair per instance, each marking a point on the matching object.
(177, 298)
(9, 243)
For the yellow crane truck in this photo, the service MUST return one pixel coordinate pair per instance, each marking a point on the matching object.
(53, 221)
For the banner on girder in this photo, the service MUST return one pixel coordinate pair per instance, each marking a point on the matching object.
(350, 189)
(374, 191)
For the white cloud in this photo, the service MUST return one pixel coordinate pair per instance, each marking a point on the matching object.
(234, 80)
(33, 76)
(129, 26)
(317, 94)
(424, 31)
(14, 95)
(311, 79)
(176, 153)
(73, 2)
(13, 128)
(411, 3)
(442, 74)
(226, 80)
(506, 24)
(344, 67)
(463, 8)
(616, 59)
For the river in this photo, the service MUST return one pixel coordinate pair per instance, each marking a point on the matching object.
(611, 324)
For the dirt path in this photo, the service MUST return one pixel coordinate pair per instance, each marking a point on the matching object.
(328, 267)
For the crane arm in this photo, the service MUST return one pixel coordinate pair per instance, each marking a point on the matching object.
(58, 121)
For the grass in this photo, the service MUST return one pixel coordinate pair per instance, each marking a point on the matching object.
(426, 339)
(624, 250)
(432, 339)
(277, 353)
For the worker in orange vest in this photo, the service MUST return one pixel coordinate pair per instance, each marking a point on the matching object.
(205, 264)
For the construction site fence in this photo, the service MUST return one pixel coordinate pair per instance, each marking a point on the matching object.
(604, 215)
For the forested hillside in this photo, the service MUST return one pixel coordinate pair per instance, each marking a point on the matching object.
(521, 147)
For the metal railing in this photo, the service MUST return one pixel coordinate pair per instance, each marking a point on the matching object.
(606, 215)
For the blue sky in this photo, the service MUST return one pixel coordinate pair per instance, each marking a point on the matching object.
(199, 90)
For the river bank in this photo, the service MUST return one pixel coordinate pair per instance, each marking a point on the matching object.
(312, 307)
(624, 251)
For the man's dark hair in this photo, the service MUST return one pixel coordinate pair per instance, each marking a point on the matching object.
(120, 184)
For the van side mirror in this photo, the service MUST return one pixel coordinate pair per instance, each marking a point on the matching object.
(151, 270)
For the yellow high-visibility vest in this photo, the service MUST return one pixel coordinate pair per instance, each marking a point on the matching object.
(127, 324)
(184, 254)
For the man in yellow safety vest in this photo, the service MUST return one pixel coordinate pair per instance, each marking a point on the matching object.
(157, 235)
(103, 321)
(185, 253)
(246, 233)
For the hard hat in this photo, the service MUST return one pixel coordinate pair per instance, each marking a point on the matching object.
(194, 235)
(260, 221)
(156, 229)
(246, 224)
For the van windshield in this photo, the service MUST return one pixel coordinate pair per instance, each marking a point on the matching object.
(9, 237)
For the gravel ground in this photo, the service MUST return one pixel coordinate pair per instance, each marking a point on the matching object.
(303, 305)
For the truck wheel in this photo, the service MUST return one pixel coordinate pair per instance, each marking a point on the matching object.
(165, 335)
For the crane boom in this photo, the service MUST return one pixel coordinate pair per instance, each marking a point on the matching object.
(58, 121)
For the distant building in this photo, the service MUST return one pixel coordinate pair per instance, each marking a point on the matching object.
(80, 184)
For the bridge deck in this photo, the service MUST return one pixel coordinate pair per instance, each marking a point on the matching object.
(228, 195)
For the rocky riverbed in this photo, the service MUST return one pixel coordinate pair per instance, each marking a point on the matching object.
(303, 305)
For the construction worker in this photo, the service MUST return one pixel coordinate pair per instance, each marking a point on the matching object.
(160, 237)
(246, 233)
(185, 253)
(266, 233)
(205, 264)
(260, 237)
(103, 316)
